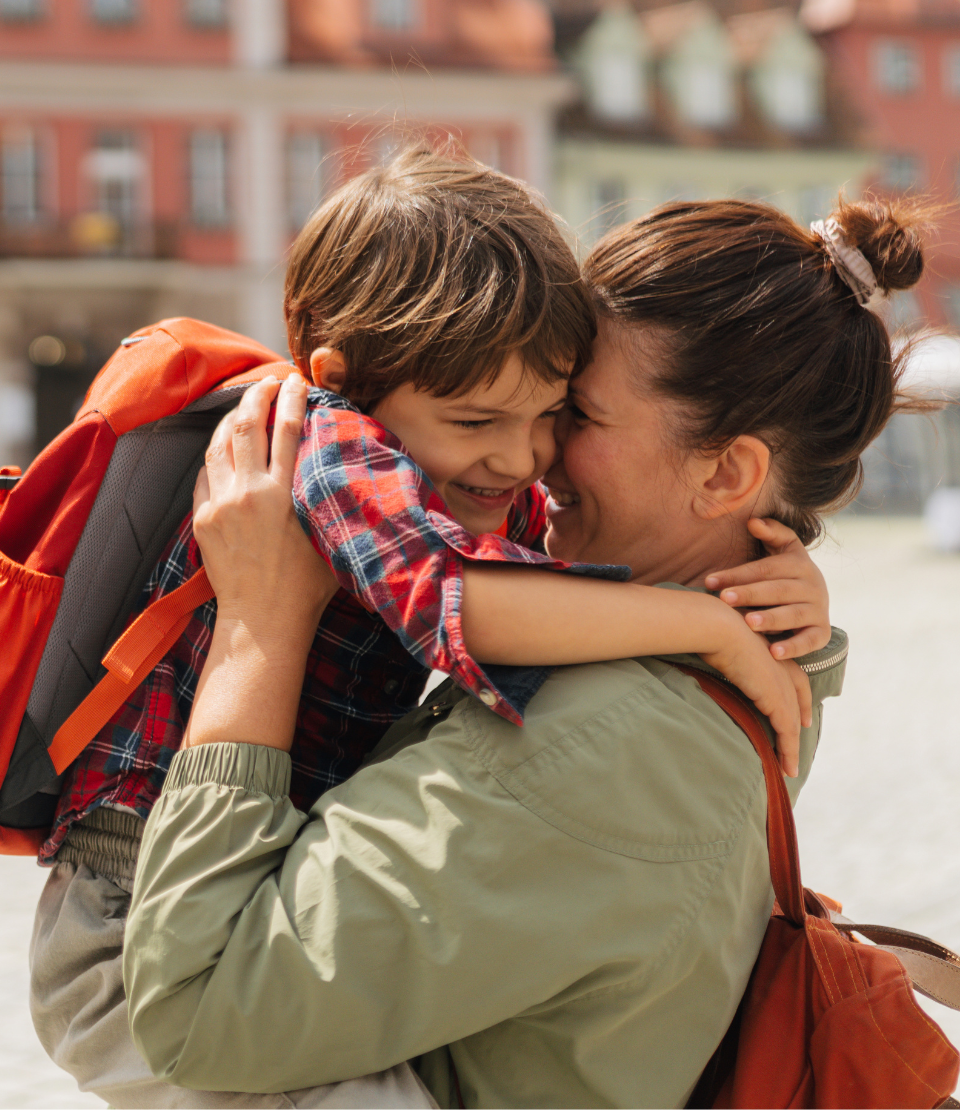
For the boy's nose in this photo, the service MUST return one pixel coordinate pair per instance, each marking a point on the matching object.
(514, 459)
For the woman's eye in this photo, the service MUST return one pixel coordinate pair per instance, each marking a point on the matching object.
(551, 414)
(472, 423)
(578, 414)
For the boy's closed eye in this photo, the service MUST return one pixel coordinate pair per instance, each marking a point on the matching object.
(547, 414)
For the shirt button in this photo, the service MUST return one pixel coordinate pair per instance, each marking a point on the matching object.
(391, 686)
(488, 697)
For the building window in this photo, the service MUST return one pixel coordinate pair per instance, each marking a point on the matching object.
(901, 172)
(114, 11)
(206, 13)
(897, 66)
(705, 95)
(209, 190)
(116, 167)
(951, 70)
(19, 177)
(394, 15)
(306, 180)
(20, 11)
(618, 86)
(793, 100)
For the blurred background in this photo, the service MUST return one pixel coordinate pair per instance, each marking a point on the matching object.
(157, 157)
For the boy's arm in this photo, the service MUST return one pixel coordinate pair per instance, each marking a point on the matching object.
(388, 536)
(527, 616)
(385, 531)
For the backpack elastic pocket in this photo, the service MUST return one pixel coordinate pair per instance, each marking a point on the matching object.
(28, 604)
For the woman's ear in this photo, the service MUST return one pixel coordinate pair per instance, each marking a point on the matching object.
(733, 479)
(328, 368)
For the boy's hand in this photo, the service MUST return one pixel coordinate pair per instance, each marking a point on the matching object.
(781, 691)
(787, 585)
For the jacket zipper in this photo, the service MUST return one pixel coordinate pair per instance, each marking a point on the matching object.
(826, 664)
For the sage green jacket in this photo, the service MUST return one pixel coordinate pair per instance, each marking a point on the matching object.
(573, 907)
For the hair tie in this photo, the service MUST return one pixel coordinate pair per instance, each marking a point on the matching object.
(850, 263)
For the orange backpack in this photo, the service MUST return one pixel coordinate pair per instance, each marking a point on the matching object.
(80, 533)
(827, 1020)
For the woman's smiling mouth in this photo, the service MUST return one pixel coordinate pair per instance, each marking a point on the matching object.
(563, 498)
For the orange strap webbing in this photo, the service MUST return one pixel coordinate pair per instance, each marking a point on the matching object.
(128, 663)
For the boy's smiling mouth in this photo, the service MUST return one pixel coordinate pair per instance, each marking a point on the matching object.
(488, 494)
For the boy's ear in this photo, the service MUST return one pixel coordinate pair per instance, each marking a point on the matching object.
(328, 368)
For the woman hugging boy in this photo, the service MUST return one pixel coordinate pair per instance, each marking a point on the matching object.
(440, 314)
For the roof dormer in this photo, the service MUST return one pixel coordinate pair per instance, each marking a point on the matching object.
(697, 63)
(784, 67)
(613, 59)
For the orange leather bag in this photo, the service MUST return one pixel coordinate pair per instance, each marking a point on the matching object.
(79, 534)
(828, 1020)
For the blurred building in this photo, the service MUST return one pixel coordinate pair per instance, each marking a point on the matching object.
(900, 65)
(696, 100)
(158, 156)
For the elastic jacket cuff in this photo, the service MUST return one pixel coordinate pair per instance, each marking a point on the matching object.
(255, 768)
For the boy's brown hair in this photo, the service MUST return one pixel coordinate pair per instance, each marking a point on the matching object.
(433, 270)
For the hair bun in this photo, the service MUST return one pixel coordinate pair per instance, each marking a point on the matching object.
(888, 234)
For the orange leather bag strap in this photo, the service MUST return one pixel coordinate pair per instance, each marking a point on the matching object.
(128, 662)
(933, 969)
(781, 830)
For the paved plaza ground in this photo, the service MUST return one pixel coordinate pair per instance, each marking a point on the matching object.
(879, 820)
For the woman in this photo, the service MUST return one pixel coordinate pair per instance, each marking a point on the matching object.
(565, 914)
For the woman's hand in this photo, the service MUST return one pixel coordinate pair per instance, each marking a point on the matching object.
(271, 585)
(786, 592)
(259, 560)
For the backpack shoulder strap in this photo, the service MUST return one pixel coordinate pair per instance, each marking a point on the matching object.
(781, 830)
(129, 661)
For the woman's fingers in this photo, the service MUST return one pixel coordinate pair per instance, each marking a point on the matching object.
(287, 428)
(250, 427)
(219, 455)
(201, 492)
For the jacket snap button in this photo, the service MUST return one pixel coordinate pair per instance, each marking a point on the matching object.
(488, 697)
(391, 686)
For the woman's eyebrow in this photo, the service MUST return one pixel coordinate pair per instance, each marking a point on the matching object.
(580, 397)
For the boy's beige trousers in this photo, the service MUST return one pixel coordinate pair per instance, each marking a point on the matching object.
(80, 1011)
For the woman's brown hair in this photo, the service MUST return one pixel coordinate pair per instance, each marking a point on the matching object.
(764, 338)
(433, 270)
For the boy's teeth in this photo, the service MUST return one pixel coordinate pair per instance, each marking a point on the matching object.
(563, 498)
(485, 492)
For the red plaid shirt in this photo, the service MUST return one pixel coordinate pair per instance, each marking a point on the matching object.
(376, 518)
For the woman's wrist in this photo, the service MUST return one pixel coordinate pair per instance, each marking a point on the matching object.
(249, 689)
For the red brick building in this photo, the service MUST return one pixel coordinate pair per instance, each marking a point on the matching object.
(900, 62)
(158, 156)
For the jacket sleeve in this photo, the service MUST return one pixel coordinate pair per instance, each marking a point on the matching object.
(268, 951)
(381, 525)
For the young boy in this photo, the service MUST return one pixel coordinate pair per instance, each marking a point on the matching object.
(442, 312)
